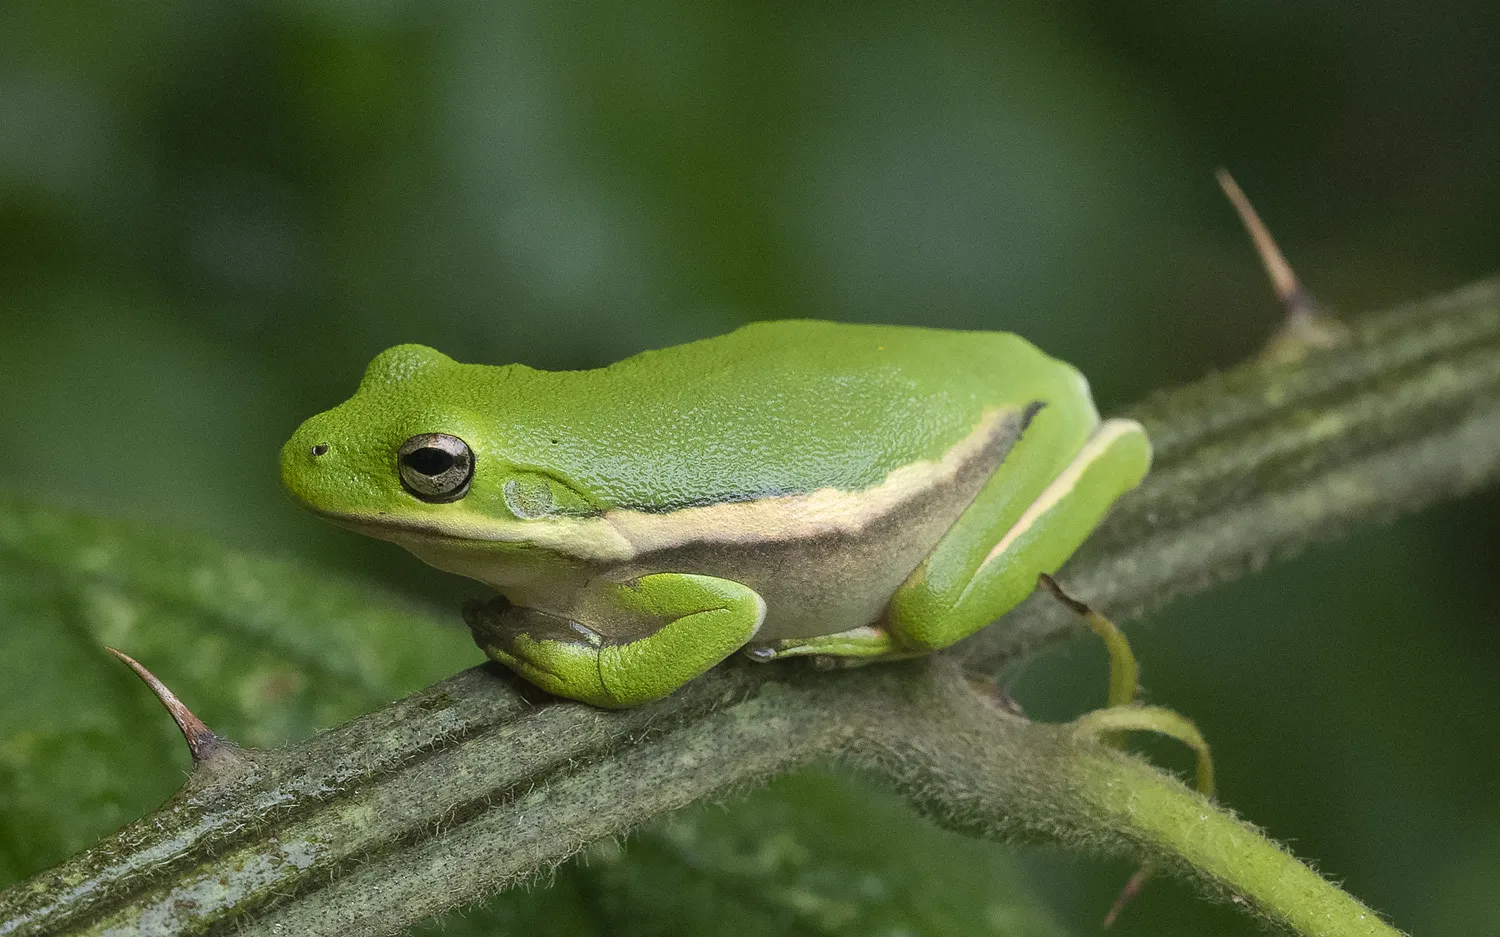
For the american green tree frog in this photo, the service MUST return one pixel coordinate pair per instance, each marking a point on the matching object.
(854, 492)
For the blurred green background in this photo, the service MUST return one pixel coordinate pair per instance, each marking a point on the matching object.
(213, 213)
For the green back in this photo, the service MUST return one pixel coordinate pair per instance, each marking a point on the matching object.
(774, 407)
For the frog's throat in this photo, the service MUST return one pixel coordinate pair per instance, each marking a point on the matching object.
(621, 534)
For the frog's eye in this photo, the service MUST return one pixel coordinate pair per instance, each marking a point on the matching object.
(436, 467)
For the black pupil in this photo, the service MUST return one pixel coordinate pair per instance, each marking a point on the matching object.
(429, 461)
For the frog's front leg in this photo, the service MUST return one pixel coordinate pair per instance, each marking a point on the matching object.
(689, 623)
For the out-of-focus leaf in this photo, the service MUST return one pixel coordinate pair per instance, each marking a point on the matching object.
(262, 651)
(813, 853)
(212, 215)
(266, 652)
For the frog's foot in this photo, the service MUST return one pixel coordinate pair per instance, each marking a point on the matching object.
(1125, 714)
(853, 648)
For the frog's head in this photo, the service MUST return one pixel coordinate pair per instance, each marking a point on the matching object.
(403, 459)
(387, 451)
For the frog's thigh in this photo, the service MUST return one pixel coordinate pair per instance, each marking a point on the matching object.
(987, 563)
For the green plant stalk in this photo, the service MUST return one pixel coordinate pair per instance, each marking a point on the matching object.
(986, 772)
(476, 784)
(1222, 852)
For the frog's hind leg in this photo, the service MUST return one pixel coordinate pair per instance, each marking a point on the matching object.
(1053, 434)
(1029, 518)
(1033, 512)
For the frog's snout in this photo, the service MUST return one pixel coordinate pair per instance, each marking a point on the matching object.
(307, 460)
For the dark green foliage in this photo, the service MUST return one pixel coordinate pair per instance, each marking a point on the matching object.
(262, 651)
(214, 213)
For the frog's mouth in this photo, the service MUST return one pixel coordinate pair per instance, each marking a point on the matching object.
(385, 526)
(592, 538)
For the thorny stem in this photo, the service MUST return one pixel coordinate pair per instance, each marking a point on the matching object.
(477, 783)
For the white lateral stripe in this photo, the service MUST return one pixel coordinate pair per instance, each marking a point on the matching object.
(1061, 487)
(622, 534)
(786, 517)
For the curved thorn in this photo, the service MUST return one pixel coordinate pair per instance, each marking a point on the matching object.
(1124, 671)
(1283, 280)
(1307, 327)
(1131, 889)
(201, 740)
(1076, 606)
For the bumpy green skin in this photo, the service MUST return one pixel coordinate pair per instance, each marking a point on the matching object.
(854, 492)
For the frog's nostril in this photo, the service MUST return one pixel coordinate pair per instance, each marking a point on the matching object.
(320, 449)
